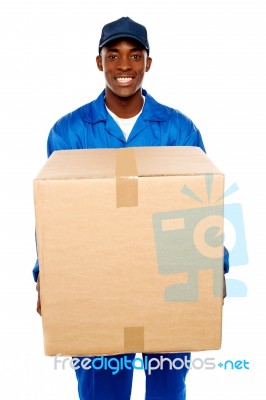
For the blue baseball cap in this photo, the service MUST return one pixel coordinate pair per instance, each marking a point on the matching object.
(124, 27)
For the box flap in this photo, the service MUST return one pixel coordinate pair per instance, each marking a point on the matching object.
(150, 161)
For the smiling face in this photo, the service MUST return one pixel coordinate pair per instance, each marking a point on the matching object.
(124, 63)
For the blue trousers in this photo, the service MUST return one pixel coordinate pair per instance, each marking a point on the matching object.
(111, 377)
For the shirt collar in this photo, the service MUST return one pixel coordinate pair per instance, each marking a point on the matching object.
(152, 110)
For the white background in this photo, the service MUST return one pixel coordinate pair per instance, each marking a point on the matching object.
(208, 62)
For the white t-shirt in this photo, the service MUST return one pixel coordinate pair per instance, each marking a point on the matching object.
(126, 124)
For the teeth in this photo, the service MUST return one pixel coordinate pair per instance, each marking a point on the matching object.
(124, 80)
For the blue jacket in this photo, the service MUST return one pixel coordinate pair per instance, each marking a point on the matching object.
(91, 126)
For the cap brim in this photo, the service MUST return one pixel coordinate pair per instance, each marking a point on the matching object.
(115, 37)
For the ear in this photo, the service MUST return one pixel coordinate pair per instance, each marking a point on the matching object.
(148, 64)
(99, 63)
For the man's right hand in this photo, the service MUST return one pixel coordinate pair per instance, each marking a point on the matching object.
(39, 308)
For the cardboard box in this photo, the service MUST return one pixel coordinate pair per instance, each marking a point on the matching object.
(130, 250)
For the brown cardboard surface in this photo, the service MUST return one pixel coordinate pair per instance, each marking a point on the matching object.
(126, 178)
(108, 285)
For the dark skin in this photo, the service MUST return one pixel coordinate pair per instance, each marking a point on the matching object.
(124, 63)
(38, 308)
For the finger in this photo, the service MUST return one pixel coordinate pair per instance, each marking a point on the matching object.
(39, 309)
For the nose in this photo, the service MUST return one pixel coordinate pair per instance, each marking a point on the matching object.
(125, 64)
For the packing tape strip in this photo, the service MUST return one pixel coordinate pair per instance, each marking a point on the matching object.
(134, 339)
(126, 178)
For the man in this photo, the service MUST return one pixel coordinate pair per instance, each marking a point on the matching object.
(125, 115)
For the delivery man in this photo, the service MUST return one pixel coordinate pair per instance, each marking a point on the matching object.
(125, 115)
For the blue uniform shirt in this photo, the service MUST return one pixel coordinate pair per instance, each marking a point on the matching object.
(91, 126)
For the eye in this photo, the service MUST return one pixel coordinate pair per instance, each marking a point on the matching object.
(112, 56)
(136, 56)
